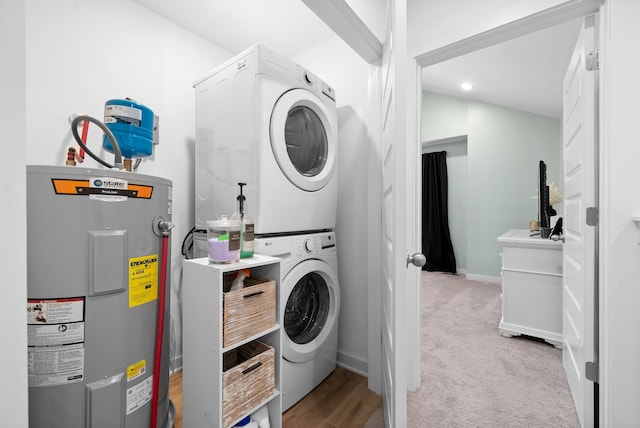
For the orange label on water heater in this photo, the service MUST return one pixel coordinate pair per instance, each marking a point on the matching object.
(63, 186)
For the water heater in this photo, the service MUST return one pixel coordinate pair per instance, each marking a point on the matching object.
(94, 263)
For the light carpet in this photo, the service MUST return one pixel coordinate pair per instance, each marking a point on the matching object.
(474, 377)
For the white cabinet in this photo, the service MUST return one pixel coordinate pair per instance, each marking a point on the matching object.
(224, 382)
(531, 286)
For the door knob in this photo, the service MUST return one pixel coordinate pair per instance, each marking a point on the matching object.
(417, 259)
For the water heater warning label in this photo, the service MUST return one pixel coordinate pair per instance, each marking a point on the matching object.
(134, 371)
(139, 395)
(55, 311)
(143, 280)
(55, 341)
(58, 365)
(53, 335)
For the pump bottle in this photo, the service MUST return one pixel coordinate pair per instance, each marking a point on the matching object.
(247, 226)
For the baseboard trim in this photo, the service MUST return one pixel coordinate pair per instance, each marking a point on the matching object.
(484, 278)
(354, 364)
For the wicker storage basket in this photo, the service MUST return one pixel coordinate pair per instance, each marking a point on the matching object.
(248, 311)
(248, 379)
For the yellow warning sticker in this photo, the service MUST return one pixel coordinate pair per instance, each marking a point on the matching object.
(143, 280)
(136, 370)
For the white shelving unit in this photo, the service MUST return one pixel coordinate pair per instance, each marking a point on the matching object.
(203, 348)
(531, 286)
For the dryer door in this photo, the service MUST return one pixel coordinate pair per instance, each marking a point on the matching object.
(312, 302)
(303, 139)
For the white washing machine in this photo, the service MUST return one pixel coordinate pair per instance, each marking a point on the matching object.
(263, 120)
(310, 305)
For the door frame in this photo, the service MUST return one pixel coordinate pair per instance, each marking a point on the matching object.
(564, 12)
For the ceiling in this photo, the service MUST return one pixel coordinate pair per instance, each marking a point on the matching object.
(287, 26)
(525, 73)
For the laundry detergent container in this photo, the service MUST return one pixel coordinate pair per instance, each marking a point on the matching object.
(223, 240)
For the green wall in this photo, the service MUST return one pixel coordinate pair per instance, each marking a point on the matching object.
(443, 116)
(504, 147)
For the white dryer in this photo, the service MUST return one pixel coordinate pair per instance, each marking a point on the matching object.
(263, 120)
(309, 307)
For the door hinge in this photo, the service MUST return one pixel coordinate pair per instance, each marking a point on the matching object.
(593, 216)
(592, 61)
(591, 371)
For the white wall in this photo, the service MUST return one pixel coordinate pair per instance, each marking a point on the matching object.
(372, 13)
(13, 388)
(79, 55)
(620, 200)
(337, 64)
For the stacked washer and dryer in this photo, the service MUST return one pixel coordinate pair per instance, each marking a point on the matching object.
(265, 121)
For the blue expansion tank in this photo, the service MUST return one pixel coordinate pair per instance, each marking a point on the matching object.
(132, 125)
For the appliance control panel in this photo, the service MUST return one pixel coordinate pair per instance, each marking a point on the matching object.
(310, 81)
(291, 248)
(321, 244)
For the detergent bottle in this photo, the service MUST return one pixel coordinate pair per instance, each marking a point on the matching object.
(246, 226)
(261, 416)
(247, 423)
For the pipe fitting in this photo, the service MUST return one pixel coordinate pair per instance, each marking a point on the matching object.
(71, 157)
(165, 227)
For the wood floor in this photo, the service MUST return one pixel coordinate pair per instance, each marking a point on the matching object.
(342, 400)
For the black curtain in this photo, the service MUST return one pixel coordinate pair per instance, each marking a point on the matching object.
(436, 238)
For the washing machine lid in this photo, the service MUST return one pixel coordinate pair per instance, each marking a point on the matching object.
(310, 308)
(303, 139)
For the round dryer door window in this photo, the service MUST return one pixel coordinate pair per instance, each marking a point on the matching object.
(306, 141)
(311, 310)
(303, 139)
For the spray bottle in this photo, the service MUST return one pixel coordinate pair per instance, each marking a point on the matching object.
(246, 228)
(238, 280)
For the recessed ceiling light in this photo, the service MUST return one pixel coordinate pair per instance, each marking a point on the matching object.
(466, 86)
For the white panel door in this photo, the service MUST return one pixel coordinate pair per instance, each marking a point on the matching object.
(579, 257)
(394, 196)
